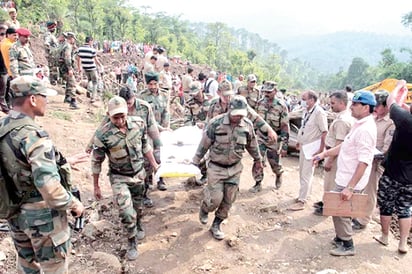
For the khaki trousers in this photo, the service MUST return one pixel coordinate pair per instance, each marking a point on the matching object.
(306, 170)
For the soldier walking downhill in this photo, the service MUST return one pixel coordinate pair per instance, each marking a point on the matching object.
(125, 143)
(66, 68)
(159, 101)
(40, 229)
(226, 137)
(275, 113)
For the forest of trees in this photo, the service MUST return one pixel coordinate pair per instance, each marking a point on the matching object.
(215, 44)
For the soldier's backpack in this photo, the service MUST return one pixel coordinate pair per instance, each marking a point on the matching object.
(11, 198)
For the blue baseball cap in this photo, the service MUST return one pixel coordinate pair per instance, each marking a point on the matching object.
(365, 97)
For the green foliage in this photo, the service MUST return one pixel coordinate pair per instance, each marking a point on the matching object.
(234, 51)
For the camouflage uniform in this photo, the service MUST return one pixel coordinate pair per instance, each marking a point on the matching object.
(196, 109)
(125, 152)
(160, 106)
(252, 95)
(50, 45)
(40, 230)
(21, 60)
(226, 144)
(276, 114)
(66, 63)
(260, 125)
(143, 110)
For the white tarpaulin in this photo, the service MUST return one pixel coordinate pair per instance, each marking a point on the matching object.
(176, 154)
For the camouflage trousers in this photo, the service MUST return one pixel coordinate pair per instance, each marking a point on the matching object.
(128, 195)
(54, 74)
(271, 153)
(42, 240)
(221, 189)
(70, 85)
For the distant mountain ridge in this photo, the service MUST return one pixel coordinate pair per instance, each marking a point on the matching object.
(331, 53)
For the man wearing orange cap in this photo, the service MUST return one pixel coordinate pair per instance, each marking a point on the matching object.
(21, 57)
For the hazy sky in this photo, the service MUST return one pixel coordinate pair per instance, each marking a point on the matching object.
(277, 19)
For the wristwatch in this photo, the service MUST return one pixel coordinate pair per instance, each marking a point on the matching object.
(350, 188)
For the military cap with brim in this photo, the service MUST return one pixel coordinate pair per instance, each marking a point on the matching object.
(269, 86)
(149, 76)
(195, 87)
(225, 88)
(29, 85)
(238, 106)
(117, 105)
(70, 34)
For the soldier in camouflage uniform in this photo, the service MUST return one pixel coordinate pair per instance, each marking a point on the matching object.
(142, 109)
(50, 46)
(66, 67)
(250, 92)
(40, 229)
(226, 137)
(160, 103)
(275, 113)
(221, 105)
(197, 105)
(21, 57)
(124, 141)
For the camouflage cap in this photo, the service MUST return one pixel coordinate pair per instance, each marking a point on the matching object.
(29, 85)
(251, 78)
(269, 86)
(149, 76)
(195, 87)
(238, 105)
(117, 105)
(225, 88)
(70, 34)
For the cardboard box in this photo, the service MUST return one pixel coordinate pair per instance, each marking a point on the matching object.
(333, 205)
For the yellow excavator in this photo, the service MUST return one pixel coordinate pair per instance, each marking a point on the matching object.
(389, 85)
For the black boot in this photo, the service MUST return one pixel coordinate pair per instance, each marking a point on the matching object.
(215, 229)
(161, 185)
(345, 249)
(73, 104)
(132, 253)
(256, 188)
(67, 99)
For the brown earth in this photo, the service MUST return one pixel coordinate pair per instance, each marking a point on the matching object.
(262, 236)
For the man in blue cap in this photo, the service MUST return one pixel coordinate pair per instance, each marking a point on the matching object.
(355, 157)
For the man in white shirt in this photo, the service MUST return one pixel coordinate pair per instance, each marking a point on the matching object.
(211, 86)
(355, 157)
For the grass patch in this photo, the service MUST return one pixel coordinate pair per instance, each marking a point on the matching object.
(62, 115)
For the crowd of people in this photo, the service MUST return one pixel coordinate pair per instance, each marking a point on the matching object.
(236, 116)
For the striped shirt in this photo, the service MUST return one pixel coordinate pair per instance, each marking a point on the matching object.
(87, 55)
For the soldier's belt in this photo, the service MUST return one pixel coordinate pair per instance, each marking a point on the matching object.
(131, 175)
(224, 166)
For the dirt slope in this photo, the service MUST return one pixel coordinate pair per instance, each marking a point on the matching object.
(262, 236)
